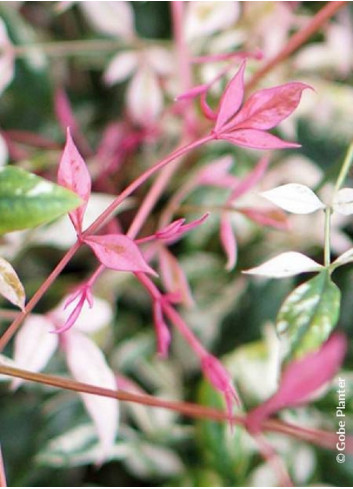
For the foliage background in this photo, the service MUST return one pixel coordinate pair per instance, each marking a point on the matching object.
(157, 448)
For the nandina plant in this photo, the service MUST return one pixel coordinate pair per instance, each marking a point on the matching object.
(136, 306)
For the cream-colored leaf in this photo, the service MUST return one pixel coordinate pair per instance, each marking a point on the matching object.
(87, 364)
(295, 198)
(286, 265)
(34, 345)
(10, 285)
(343, 201)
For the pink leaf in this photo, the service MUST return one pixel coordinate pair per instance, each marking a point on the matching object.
(217, 174)
(301, 379)
(162, 330)
(73, 174)
(173, 277)
(267, 108)
(231, 99)
(253, 138)
(118, 252)
(177, 229)
(274, 218)
(228, 242)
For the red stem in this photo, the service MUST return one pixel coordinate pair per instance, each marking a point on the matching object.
(318, 437)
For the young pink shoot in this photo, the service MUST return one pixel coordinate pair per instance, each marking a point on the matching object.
(228, 241)
(83, 294)
(301, 379)
(173, 231)
(220, 379)
(73, 174)
(118, 252)
(247, 125)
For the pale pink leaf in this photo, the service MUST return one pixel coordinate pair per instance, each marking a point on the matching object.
(286, 264)
(121, 67)
(173, 277)
(34, 345)
(274, 218)
(217, 173)
(193, 92)
(112, 18)
(88, 365)
(10, 285)
(161, 60)
(251, 179)
(343, 201)
(118, 252)
(267, 108)
(228, 242)
(144, 97)
(295, 198)
(302, 378)
(253, 138)
(73, 174)
(231, 99)
(7, 58)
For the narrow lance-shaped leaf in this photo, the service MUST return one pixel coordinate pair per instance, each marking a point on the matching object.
(286, 264)
(231, 99)
(118, 252)
(308, 315)
(10, 285)
(295, 198)
(301, 379)
(228, 241)
(73, 174)
(27, 200)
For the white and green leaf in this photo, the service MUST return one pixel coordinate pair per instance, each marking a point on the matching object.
(10, 285)
(27, 200)
(308, 315)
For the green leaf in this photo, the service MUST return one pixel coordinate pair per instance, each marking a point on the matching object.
(27, 200)
(308, 315)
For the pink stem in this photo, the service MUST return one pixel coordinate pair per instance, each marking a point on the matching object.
(269, 454)
(6, 337)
